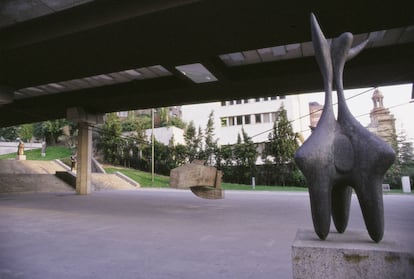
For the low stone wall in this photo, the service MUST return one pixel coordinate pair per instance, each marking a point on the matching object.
(68, 177)
(11, 147)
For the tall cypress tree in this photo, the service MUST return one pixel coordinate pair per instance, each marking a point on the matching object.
(193, 141)
(210, 147)
(280, 150)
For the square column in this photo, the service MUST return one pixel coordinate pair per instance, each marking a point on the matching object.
(84, 157)
(84, 154)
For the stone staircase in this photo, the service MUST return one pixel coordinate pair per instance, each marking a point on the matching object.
(39, 176)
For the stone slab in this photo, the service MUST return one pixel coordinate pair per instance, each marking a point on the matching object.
(191, 175)
(349, 255)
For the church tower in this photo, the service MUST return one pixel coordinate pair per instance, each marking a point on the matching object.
(382, 122)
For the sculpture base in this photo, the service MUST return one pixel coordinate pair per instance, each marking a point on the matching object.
(349, 255)
(21, 157)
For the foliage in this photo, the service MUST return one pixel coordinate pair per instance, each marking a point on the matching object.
(129, 124)
(280, 150)
(9, 133)
(404, 163)
(49, 130)
(110, 141)
(177, 122)
(245, 156)
(26, 132)
(210, 147)
(193, 142)
(237, 162)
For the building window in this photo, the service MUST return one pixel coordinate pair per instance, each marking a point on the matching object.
(122, 114)
(266, 99)
(257, 99)
(223, 121)
(266, 117)
(223, 103)
(239, 120)
(273, 98)
(246, 101)
(282, 97)
(231, 102)
(231, 121)
(258, 118)
(238, 102)
(274, 116)
(247, 119)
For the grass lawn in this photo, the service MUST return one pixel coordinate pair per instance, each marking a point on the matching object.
(144, 179)
(52, 153)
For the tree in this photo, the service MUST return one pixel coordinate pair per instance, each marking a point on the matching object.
(245, 155)
(404, 162)
(130, 123)
(26, 132)
(210, 148)
(193, 142)
(50, 130)
(280, 150)
(110, 142)
(225, 162)
(9, 133)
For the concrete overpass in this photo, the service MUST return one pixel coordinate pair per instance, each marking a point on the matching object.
(110, 56)
(80, 59)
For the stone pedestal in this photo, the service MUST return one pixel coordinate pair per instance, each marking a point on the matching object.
(21, 157)
(349, 255)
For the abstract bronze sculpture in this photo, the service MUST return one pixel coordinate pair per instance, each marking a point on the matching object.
(341, 153)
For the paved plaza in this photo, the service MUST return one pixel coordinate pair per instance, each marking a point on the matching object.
(163, 233)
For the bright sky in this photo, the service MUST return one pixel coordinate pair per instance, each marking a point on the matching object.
(396, 98)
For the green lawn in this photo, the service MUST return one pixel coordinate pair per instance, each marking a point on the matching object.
(144, 179)
(52, 153)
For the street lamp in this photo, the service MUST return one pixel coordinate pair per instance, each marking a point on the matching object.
(152, 147)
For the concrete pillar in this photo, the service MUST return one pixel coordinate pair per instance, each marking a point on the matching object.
(84, 157)
(84, 154)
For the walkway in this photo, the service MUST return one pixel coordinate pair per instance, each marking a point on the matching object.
(156, 233)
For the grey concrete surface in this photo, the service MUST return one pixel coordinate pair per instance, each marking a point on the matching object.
(155, 233)
(347, 256)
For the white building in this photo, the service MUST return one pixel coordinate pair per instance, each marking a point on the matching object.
(164, 135)
(256, 116)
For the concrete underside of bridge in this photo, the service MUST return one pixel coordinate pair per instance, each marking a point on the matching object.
(67, 58)
(103, 56)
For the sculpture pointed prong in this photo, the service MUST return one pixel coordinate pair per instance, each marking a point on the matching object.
(320, 200)
(356, 49)
(341, 201)
(371, 203)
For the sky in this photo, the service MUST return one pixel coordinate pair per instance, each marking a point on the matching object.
(396, 98)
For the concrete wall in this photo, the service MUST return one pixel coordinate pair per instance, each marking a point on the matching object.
(11, 147)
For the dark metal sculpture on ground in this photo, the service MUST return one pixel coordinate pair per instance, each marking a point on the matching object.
(341, 153)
